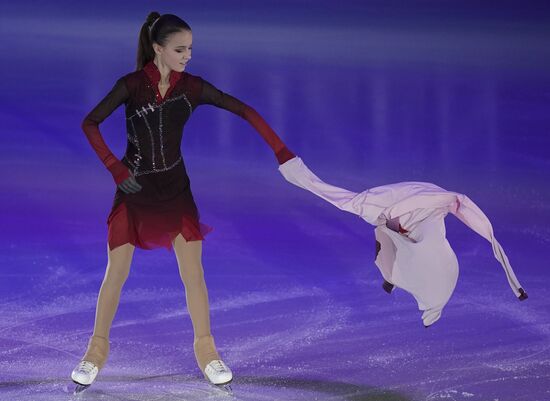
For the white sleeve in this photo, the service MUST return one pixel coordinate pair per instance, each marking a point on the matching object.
(297, 173)
(471, 215)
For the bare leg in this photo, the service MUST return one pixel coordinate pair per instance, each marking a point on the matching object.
(188, 255)
(118, 268)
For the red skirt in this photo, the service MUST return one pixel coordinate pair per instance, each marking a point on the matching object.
(154, 216)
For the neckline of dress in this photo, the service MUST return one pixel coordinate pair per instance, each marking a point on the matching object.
(153, 73)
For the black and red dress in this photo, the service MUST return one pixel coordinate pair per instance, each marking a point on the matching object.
(164, 207)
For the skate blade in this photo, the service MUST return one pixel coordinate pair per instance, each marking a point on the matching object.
(226, 388)
(80, 388)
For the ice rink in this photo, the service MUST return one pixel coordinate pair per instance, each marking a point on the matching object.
(366, 93)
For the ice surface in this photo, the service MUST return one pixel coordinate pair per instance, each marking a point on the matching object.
(367, 96)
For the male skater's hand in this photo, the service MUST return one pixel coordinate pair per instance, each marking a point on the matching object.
(130, 185)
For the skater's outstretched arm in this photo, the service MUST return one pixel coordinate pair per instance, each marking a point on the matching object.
(212, 95)
(90, 126)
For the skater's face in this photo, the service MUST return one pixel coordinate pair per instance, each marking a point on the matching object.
(177, 51)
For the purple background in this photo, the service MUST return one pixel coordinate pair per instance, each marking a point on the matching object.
(367, 93)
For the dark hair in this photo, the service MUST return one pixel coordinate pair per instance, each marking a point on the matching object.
(157, 28)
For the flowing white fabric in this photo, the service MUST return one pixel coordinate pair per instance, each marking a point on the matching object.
(420, 261)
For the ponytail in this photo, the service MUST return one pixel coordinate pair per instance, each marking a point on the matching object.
(156, 28)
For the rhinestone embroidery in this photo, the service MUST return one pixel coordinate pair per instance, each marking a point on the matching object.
(136, 143)
(178, 98)
(152, 141)
(156, 170)
(142, 112)
(160, 134)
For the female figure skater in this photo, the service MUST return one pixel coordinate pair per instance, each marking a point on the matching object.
(153, 205)
(412, 251)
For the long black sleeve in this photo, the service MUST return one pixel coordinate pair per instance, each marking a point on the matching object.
(90, 125)
(212, 95)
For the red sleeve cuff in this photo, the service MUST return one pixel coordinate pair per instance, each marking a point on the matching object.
(284, 155)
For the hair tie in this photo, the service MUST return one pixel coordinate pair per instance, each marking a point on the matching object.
(153, 23)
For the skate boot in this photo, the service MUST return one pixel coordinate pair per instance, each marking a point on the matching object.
(210, 363)
(87, 369)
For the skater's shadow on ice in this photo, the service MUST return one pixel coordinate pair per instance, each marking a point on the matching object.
(247, 388)
(347, 391)
(173, 387)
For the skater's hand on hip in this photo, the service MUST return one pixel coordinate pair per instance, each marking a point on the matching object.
(130, 185)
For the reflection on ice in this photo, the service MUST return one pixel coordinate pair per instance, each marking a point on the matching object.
(297, 306)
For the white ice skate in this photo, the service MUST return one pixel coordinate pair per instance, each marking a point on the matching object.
(83, 375)
(219, 374)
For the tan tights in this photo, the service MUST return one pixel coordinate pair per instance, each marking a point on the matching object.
(188, 256)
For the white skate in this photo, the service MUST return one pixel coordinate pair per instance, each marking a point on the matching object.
(219, 374)
(83, 375)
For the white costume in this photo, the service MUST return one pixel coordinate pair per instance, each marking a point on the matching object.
(420, 261)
